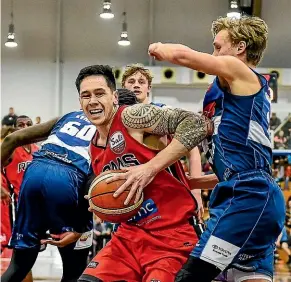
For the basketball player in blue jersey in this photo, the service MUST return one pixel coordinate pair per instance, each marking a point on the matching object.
(247, 199)
(51, 195)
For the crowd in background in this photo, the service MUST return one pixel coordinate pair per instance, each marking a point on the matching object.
(282, 137)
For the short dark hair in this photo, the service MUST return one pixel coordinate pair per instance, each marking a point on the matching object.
(22, 116)
(126, 97)
(103, 70)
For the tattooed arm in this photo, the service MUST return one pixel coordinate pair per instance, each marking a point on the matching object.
(188, 128)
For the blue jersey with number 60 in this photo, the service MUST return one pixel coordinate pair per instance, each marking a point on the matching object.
(69, 141)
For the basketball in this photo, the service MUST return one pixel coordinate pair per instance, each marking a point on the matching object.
(104, 205)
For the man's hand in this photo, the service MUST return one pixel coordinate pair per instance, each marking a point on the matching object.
(160, 52)
(62, 240)
(137, 178)
(5, 196)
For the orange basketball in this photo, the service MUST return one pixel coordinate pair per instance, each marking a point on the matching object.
(104, 205)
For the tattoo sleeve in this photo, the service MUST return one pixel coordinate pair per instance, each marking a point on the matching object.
(188, 128)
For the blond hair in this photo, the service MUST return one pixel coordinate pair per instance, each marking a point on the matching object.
(132, 69)
(252, 30)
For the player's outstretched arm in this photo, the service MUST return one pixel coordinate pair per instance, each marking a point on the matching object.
(25, 136)
(228, 67)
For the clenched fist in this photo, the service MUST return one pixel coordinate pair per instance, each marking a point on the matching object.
(161, 52)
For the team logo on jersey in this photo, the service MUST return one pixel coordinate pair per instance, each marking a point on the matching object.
(92, 264)
(117, 142)
(121, 162)
(22, 166)
(147, 209)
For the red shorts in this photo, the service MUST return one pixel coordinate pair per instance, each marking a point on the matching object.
(138, 255)
(5, 227)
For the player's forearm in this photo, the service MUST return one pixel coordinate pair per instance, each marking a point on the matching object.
(205, 182)
(172, 153)
(8, 145)
(25, 136)
(184, 56)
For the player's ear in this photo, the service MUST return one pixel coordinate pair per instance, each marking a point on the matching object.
(149, 90)
(115, 99)
(241, 47)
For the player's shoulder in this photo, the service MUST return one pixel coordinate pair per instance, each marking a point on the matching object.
(34, 147)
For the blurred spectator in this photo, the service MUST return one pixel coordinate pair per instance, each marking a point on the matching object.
(289, 141)
(274, 121)
(283, 243)
(287, 127)
(101, 234)
(10, 119)
(6, 131)
(185, 165)
(37, 120)
(280, 141)
(287, 178)
(288, 213)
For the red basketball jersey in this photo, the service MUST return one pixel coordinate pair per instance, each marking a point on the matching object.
(168, 201)
(14, 171)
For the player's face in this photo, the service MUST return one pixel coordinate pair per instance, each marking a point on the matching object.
(97, 100)
(222, 45)
(138, 84)
(23, 123)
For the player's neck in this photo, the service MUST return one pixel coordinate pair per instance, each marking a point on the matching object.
(104, 129)
(27, 148)
(249, 64)
(145, 101)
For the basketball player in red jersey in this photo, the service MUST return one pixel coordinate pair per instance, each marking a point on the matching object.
(138, 79)
(153, 245)
(12, 175)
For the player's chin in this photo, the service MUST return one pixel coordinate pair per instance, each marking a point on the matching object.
(96, 120)
(99, 121)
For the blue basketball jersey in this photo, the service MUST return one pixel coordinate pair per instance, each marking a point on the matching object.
(161, 105)
(241, 140)
(69, 141)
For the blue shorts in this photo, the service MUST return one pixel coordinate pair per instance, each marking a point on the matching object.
(48, 200)
(247, 214)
